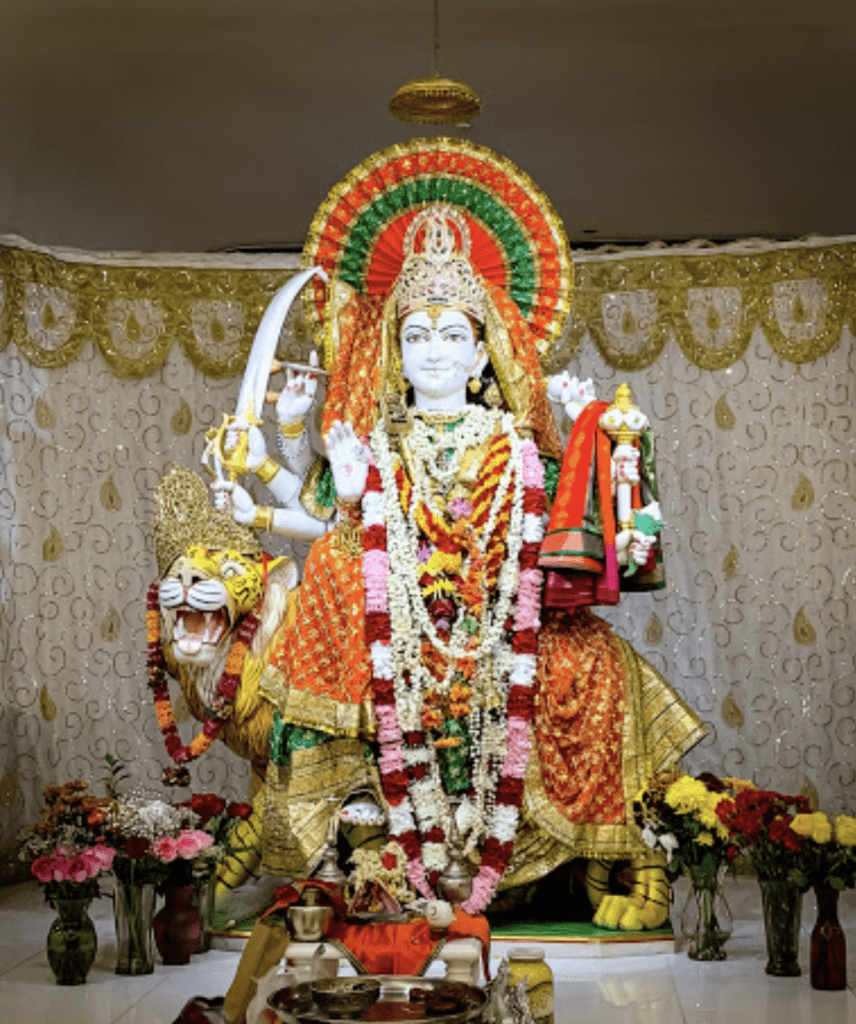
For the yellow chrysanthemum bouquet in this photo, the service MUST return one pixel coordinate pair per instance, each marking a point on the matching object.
(681, 816)
(828, 855)
(678, 815)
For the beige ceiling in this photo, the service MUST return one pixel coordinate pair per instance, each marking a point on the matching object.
(207, 124)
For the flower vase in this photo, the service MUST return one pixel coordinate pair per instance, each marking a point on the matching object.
(134, 909)
(206, 887)
(176, 924)
(72, 941)
(828, 947)
(706, 922)
(782, 903)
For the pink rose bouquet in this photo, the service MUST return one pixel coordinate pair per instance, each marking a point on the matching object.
(67, 848)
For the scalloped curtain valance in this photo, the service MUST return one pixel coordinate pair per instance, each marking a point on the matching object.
(710, 299)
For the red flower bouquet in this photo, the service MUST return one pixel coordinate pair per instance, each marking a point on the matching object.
(212, 815)
(760, 822)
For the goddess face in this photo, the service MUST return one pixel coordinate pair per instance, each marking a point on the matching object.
(439, 353)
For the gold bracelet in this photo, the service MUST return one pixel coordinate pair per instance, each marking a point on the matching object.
(263, 519)
(292, 430)
(267, 470)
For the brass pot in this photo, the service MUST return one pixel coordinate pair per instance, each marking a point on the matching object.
(306, 924)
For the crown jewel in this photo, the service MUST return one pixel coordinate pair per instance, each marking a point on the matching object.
(183, 518)
(436, 269)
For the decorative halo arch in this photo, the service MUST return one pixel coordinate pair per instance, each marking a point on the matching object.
(518, 240)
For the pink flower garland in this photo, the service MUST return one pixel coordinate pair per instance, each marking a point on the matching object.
(395, 778)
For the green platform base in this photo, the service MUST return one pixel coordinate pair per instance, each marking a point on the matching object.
(575, 931)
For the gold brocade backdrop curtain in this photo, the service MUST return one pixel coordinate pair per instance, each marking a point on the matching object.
(113, 366)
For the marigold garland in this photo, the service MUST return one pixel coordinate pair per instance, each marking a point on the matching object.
(224, 695)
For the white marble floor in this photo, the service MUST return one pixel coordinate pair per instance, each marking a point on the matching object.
(666, 988)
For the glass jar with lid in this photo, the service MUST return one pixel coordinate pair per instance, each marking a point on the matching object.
(528, 962)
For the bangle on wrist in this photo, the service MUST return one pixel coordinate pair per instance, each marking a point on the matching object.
(292, 430)
(267, 470)
(263, 519)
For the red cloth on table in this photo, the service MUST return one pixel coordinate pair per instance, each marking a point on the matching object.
(407, 947)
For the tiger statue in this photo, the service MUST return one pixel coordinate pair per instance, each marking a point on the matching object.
(213, 577)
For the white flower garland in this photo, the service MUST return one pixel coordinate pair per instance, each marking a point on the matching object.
(499, 738)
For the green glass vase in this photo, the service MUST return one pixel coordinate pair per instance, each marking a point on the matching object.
(72, 941)
(782, 903)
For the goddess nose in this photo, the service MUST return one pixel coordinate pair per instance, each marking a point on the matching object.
(435, 345)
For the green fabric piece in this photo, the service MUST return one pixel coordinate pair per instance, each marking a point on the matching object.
(551, 476)
(325, 492)
(649, 471)
(276, 742)
(286, 738)
(454, 761)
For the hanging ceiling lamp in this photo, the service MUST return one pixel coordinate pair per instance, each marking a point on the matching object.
(436, 100)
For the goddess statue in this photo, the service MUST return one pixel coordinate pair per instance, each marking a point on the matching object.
(442, 656)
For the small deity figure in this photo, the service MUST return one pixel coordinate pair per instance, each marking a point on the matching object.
(441, 652)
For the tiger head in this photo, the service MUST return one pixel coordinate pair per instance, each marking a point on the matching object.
(204, 594)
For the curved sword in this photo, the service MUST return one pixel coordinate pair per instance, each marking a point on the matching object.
(251, 397)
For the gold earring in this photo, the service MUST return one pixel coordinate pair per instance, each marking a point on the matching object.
(474, 385)
(493, 396)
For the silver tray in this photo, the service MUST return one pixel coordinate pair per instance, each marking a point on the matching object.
(395, 995)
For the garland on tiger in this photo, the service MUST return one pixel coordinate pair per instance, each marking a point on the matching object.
(424, 679)
(224, 696)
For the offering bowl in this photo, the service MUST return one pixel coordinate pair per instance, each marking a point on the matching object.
(344, 997)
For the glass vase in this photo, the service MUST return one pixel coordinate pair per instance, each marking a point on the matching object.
(782, 903)
(134, 909)
(828, 946)
(206, 887)
(72, 941)
(706, 922)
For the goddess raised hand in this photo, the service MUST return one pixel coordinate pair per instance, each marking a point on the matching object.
(348, 461)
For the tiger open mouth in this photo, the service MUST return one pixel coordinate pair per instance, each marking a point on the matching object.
(195, 629)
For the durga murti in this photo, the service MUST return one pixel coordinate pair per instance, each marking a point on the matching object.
(440, 652)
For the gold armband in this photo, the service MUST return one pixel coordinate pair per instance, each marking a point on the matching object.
(263, 519)
(267, 470)
(292, 430)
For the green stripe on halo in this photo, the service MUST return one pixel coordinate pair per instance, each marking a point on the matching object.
(458, 193)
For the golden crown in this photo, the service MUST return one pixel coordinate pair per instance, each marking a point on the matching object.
(183, 518)
(439, 273)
